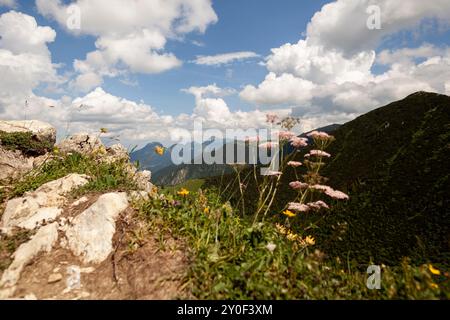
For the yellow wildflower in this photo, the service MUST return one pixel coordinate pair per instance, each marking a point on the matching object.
(433, 270)
(55, 150)
(206, 210)
(159, 150)
(434, 286)
(310, 241)
(183, 192)
(289, 213)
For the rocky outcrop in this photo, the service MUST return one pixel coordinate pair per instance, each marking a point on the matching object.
(82, 143)
(41, 131)
(40, 206)
(18, 156)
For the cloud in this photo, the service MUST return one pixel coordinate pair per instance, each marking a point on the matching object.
(131, 35)
(330, 71)
(25, 61)
(8, 3)
(225, 58)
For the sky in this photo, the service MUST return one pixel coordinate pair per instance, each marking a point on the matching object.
(147, 69)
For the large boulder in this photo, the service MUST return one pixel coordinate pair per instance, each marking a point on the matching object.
(41, 131)
(13, 164)
(43, 205)
(90, 234)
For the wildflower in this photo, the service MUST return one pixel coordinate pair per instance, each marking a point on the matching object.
(175, 203)
(183, 192)
(434, 285)
(56, 150)
(294, 164)
(318, 205)
(159, 150)
(271, 247)
(289, 214)
(281, 229)
(335, 194)
(433, 270)
(319, 135)
(286, 135)
(310, 241)
(297, 142)
(206, 210)
(299, 207)
(103, 130)
(319, 153)
(291, 236)
(268, 145)
(242, 186)
(297, 185)
(274, 173)
(271, 118)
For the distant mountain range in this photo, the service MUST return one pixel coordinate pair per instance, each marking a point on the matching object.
(165, 173)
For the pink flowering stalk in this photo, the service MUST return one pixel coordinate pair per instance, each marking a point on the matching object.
(319, 153)
(297, 142)
(286, 135)
(271, 118)
(294, 164)
(297, 185)
(299, 207)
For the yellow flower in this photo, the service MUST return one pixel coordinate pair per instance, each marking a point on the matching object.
(434, 286)
(159, 150)
(55, 150)
(183, 192)
(206, 210)
(433, 270)
(289, 213)
(103, 130)
(310, 241)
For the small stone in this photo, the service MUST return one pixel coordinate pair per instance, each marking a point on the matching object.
(53, 278)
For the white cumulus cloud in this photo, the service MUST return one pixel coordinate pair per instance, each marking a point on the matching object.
(225, 58)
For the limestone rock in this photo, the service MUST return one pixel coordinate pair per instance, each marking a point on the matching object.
(142, 179)
(55, 277)
(82, 143)
(41, 130)
(13, 164)
(91, 233)
(115, 153)
(42, 205)
(42, 241)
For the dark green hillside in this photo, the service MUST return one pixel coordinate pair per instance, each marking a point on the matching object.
(393, 162)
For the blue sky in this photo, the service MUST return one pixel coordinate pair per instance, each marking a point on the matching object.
(333, 71)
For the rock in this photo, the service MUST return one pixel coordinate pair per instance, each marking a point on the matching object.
(42, 131)
(13, 164)
(90, 236)
(116, 153)
(42, 241)
(142, 179)
(82, 143)
(138, 196)
(53, 278)
(79, 201)
(40, 206)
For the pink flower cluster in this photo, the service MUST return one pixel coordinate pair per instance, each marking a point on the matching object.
(294, 164)
(317, 153)
(274, 173)
(286, 135)
(315, 206)
(297, 185)
(297, 142)
(319, 135)
(335, 194)
(271, 118)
